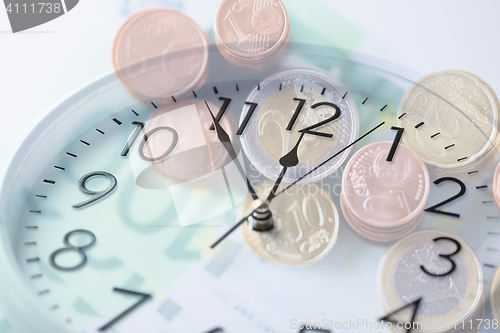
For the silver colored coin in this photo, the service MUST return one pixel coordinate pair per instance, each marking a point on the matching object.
(447, 301)
(450, 118)
(495, 296)
(305, 230)
(266, 138)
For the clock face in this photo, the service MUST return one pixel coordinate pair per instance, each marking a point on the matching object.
(115, 211)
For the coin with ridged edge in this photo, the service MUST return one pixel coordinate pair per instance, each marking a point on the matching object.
(495, 296)
(384, 200)
(447, 301)
(450, 118)
(266, 138)
(306, 225)
(251, 32)
(160, 53)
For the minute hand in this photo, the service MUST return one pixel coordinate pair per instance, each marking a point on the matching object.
(295, 182)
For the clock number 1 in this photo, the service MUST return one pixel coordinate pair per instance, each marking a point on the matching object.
(395, 144)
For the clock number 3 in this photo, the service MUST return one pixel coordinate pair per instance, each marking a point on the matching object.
(72, 248)
(446, 256)
(82, 186)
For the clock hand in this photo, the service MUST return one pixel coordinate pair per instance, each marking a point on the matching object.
(296, 181)
(291, 159)
(226, 142)
(331, 158)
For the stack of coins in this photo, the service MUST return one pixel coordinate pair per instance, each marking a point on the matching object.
(450, 119)
(306, 225)
(448, 303)
(251, 33)
(495, 299)
(161, 54)
(382, 200)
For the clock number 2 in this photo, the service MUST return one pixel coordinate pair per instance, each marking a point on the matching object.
(447, 256)
(434, 209)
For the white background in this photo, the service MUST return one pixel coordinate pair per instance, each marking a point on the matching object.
(41, 66)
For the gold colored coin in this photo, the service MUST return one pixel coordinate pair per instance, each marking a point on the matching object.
(306, 224)
(450, 118)
(495, 296)
(275, 115)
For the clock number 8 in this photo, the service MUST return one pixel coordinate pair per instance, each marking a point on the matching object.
(71, 248)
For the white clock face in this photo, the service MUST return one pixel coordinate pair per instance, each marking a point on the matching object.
(97, 238)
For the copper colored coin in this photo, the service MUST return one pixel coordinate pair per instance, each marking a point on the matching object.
(251, 31)
(382, 194)
(160, 53)
(496, 185)
(197, 150)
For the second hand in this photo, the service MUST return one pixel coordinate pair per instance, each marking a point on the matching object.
(298, 180)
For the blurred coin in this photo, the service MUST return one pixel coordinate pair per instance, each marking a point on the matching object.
(377, 234)
(198, 151)
(384, 200)
(266, 138)
(495, 297)
(251, 32)
(496, 185)
(447, 301)
(160, 53)
(450, 118)
(306, 225)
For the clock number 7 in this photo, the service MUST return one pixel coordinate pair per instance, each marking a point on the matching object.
(395, 144)
(144, 298)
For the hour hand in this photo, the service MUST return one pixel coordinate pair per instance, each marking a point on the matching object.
(226, 142)
(290, 160)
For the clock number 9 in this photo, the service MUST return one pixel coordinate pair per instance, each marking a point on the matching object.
(78, 249)
(447, 256)
(138, 130)
(100, 194)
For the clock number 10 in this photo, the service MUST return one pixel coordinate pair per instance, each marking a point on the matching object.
(145, 138)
